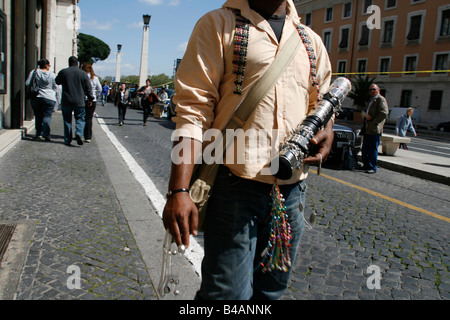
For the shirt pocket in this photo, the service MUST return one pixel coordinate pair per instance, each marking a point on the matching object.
(302, 69)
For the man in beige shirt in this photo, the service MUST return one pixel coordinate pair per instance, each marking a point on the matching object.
(237, 226)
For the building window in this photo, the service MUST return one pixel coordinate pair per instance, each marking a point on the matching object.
(405, 100)
(342, 67)
(388, 32)
(445, 23)
(367, 4)
(390, 4)
(365, 33)
(436, 100)
(385, 65)
(329, 14)
(345, 34)
(415, 28)
(362, 66)
(441, 62)
(347, 10)
(411, 64)
(327, 40)
(308, 19)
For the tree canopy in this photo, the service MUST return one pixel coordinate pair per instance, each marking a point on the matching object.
(92, 49)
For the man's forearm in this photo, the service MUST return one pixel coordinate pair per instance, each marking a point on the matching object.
(183, 166)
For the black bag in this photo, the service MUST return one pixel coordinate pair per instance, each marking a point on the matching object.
(33, 88)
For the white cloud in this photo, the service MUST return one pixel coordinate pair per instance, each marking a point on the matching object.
(172, 3)
(94, 24)
(182, 47)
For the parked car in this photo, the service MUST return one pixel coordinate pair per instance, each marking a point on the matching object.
(444, 126)
(346, 113)
(346, 146)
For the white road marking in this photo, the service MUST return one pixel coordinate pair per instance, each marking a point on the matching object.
(195, 252)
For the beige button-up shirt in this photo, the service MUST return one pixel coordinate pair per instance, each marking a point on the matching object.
(204, 87)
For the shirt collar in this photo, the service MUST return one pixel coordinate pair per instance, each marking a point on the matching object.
(256, 18)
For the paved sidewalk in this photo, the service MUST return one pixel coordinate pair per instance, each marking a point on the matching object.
(80, 208)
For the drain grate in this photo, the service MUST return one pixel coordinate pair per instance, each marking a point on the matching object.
(6, 233)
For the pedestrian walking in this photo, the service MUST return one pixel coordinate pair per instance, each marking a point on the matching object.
(44, 103)
(405, 124)
(144, 93)
(211, 82)
(75, 88)
(122, 101)
(91, 105)
(376, 114)
(106, 90)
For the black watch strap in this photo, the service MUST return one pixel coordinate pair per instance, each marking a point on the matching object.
(172, 192)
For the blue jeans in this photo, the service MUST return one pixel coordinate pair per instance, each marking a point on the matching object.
(237, 230)
(369, 151)
(80, 122)
(43, 111)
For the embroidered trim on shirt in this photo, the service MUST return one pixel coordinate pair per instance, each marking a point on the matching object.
(241, 48)
(240, 51)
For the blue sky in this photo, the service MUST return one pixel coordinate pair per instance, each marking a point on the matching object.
(120, 22)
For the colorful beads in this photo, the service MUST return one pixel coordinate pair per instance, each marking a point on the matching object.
(276, 256)
(240, 51)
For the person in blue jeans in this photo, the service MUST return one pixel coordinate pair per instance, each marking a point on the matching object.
(105, 93)
(376, 114)
(44, 103)
(75, 87)
(246, 200)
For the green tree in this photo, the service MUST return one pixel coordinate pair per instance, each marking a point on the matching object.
(160, 79)
(92, 49)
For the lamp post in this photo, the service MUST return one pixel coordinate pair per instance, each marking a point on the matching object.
(119, 51)
(143, 74)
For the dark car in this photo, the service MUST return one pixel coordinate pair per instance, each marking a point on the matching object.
(346, 113)
(346, 146)
(444, 126)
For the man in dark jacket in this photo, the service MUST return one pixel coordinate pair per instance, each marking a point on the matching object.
(376, 114)
(75, 88)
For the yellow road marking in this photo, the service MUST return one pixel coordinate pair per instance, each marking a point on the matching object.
(376, 194)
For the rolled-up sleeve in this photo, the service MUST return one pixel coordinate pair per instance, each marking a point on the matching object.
(198, 79)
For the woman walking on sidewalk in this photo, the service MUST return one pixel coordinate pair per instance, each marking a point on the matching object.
(44, 103)
(90, 110)
(404, 123)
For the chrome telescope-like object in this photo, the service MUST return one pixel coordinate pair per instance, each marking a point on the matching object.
(297, 148)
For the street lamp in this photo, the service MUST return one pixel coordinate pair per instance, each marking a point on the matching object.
(119, 51)
(147, 18)
(143, 74)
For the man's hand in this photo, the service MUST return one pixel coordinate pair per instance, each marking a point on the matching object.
(322, 143)
(181, 218)
(180, 214)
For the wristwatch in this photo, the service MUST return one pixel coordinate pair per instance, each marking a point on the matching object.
(172, 192)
